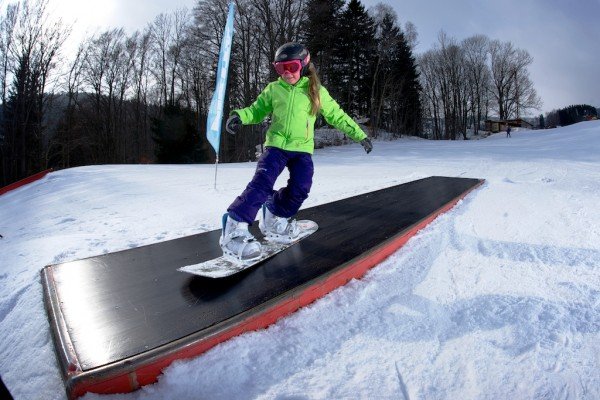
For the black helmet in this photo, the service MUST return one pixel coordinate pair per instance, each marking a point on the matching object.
(293, 51)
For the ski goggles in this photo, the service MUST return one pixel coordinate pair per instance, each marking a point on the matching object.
(291, 66)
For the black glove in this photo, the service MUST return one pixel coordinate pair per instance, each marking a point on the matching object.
(233, 124)
(367, 145)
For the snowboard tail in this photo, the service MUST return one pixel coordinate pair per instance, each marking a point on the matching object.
(226, 265)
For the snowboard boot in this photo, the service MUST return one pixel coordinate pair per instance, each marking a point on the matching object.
(236, 241)
(278, 229)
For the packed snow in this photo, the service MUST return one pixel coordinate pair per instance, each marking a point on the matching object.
(498, 298)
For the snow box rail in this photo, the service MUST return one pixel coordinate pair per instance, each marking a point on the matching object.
(119, 319)
(24, 181)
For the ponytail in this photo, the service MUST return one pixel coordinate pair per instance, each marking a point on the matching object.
(314, 87)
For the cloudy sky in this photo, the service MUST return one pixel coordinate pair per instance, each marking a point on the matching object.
(563, 37)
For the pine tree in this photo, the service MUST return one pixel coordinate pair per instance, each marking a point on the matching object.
(23, 122)
(353, 60)
(321, 33)
(383, 75)
(573, 114)
(409, 105)
(396, 86)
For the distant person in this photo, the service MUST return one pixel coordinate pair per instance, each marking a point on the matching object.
(293, 101)
(508, 131)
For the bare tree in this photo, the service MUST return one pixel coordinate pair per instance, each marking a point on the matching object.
(410, 31)
(281, 21)
(387, 35)
(248, 73)
(182, 20)
(479, 77)
(141, 82)
(30, 51)
(7, 161)
(431, 93)
(162, 37)
(445, 83)
(168, 32)
(124, 83)
(522, 95)
(453, 86)
(102, 74)
(66, 142)
(250, 62)
(512, 89)
(247, 66)
(7, 27)
(169, 38)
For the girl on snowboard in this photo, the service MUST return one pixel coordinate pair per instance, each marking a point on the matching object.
(293, 101)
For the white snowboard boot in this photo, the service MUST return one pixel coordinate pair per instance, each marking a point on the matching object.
(277, 229)
(237, 241)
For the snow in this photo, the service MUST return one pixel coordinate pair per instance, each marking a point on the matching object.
(498, 298)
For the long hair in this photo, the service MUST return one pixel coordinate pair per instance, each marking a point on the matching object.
(314, 86)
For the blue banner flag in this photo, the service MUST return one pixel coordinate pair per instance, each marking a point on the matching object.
(215, 112)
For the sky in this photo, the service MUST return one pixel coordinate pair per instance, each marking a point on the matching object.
(561, 36)
(498, 298)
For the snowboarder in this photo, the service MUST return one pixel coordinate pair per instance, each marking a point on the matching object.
(293, 101)
(508, 131)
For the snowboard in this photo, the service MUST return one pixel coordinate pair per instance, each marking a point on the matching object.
(226, 265)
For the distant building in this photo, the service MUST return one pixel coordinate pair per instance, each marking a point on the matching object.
(495, 126)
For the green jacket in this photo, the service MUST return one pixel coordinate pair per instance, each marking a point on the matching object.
(292, 126)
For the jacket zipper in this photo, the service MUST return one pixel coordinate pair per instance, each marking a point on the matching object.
(306, 134)
(289, 114)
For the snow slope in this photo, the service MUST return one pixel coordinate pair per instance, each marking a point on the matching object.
(498, 298)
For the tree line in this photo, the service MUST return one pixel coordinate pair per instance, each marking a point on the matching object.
(569, 115)
(144, 96)
(466, 82)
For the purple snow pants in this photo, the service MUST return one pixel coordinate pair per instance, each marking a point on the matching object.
(286, 201)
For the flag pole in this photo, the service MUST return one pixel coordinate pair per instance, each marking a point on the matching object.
(214, 119)
(216, 165)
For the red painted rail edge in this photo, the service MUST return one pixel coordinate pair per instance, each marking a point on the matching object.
(24, 181)
(144, 369)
